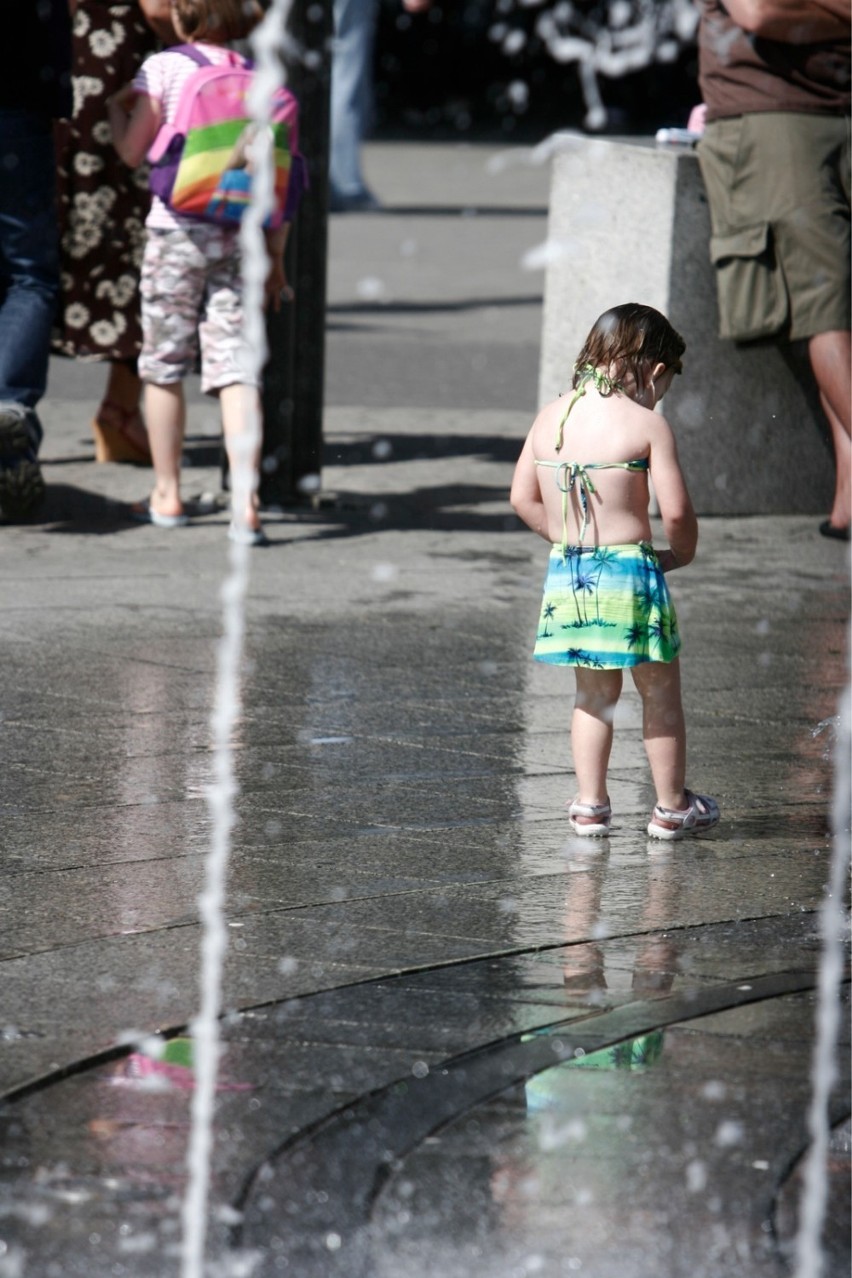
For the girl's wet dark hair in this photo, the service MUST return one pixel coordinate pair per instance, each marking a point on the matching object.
(221, 21)
(627, 341)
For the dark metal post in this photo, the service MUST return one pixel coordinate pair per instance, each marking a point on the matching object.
(294, 375)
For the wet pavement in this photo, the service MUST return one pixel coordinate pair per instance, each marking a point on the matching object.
(458, 1040)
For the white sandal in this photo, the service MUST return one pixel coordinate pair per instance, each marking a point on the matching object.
(597, 826)
(667, 823)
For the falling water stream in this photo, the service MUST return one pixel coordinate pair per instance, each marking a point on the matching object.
(267, 46)
(809, 1250)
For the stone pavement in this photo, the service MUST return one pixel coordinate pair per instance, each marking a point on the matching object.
(457, 1041)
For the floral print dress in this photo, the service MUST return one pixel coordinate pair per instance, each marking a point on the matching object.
(102, 203)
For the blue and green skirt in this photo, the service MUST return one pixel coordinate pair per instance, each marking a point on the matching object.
(606, 607)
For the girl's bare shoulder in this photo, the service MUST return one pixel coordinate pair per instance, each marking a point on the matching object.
(546, 423)
(551, 411)
(659, 428)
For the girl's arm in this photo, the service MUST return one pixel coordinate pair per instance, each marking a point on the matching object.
(676, 509)
(525, 496)
(277, 290)
(134, 119)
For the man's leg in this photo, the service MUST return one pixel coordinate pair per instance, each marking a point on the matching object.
(831, 356)
(29, 288)
(351, 99)
(29, 255)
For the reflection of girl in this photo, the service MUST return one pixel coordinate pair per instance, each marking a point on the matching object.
(103, 205)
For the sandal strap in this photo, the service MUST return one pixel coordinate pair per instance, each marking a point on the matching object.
(702, 809)
(706, 806)
(590, 809)
(686, 817)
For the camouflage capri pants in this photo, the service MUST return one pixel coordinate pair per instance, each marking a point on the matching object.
(191, 292)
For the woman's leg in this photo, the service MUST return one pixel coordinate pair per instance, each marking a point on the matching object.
(591, 732)
(663, 729)
(119, 430)
(240, 407)
(123, 388)
(166, 414)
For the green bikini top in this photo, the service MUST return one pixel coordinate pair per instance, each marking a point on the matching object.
(569, 474)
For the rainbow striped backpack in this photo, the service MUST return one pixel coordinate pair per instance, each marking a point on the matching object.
(199, 165)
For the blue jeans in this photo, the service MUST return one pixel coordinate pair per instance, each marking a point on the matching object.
(351, 92)
(29, 255)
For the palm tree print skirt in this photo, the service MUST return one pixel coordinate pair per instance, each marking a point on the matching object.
(606, 607)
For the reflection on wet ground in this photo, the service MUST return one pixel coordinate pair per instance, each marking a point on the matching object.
(457, 1041)
(460, 1042)
(490, 1117)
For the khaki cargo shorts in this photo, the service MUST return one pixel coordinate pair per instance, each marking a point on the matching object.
(778, 187)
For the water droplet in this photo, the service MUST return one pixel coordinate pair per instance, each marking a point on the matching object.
(729, 1133)
(543, 255)
(382, 449)
(370, 288)
(383, 573)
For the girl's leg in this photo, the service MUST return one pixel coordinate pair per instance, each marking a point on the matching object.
(166, 415)
(240, 407)
(591, 732)
(663, 730)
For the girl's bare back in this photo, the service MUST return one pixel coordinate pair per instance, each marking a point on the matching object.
(619, 442)
(603, 434)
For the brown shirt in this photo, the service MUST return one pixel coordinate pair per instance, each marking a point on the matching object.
(739, 73)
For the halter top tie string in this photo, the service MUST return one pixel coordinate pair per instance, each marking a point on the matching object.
(571, 474)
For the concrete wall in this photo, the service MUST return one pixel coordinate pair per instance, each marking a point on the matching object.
(629, 223)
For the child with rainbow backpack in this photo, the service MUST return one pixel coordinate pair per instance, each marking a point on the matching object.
(191, 285)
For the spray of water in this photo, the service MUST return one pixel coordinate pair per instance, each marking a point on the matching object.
(809, 1251)
(267, 47)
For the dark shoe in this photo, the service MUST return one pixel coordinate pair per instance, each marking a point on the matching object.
(356, 202)
(828, 529)
(21, 481)
(243, 536)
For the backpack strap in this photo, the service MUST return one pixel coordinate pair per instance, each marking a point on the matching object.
(192, 52)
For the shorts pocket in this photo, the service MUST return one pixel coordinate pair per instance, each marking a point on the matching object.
(752, 290)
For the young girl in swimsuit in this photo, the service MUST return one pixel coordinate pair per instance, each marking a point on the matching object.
(581, 483)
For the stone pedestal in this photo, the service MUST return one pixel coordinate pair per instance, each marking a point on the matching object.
(629, 222)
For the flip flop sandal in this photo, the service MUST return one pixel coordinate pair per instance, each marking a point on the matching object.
(702, 814)
(144, 513)
(597, 826)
